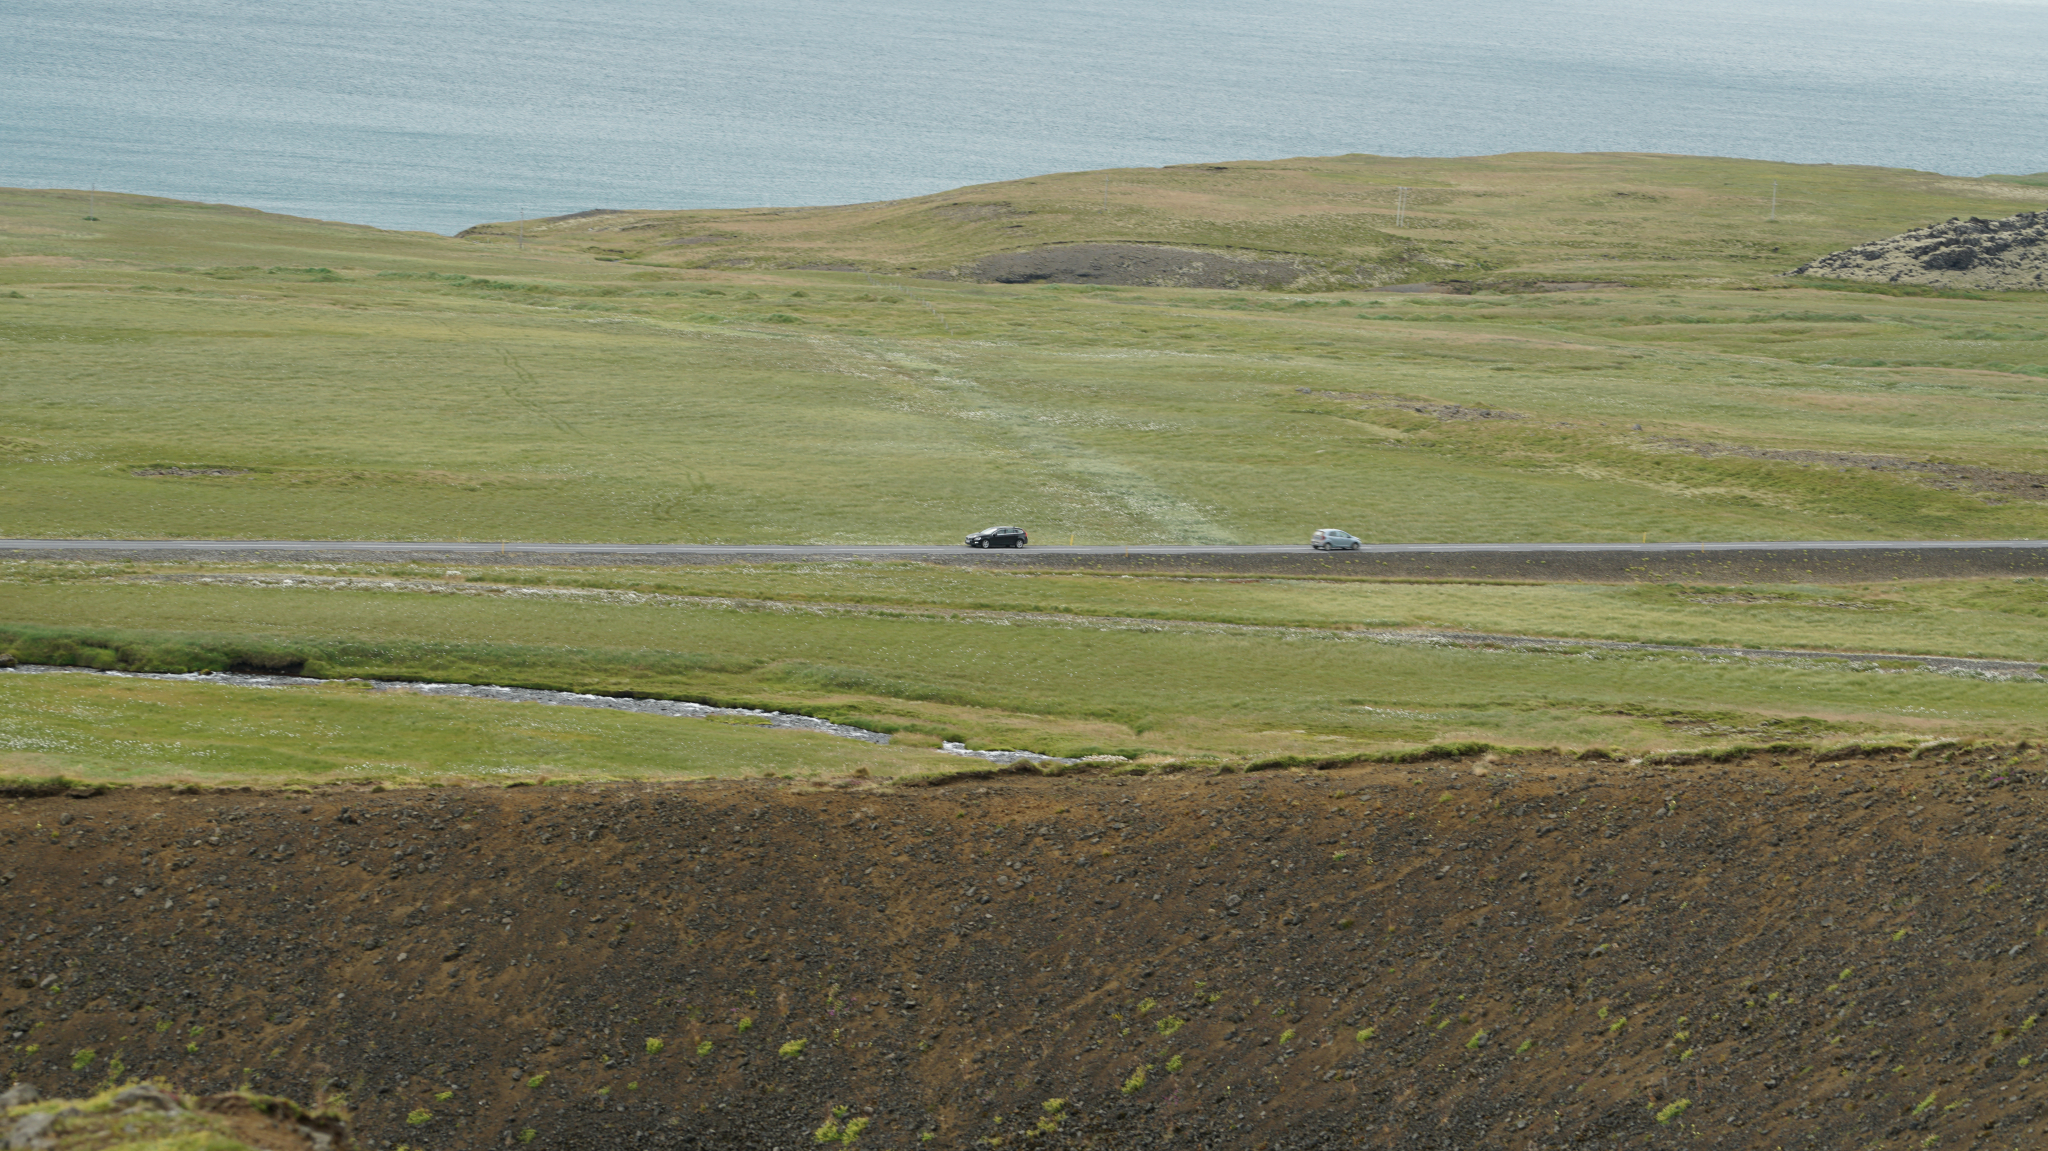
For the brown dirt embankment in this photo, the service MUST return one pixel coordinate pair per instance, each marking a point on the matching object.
(1557, 953)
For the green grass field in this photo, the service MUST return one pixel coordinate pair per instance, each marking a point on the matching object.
(1076, 665)
(177, 369)
(152, 731)
(366, 384)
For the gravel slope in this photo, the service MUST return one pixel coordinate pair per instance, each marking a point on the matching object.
(1555, 953)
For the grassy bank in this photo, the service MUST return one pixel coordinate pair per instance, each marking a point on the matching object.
(1071, 683)
(136, 731)
(2004, 618)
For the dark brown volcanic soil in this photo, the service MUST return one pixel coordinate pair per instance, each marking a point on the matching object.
(1772, 953)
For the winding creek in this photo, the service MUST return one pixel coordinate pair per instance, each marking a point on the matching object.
(668, 707)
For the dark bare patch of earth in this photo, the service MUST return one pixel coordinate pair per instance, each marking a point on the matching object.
(1388, 401)
(1788, 948)
(190, 472)
(1129, 265)
(971, 212)
(1997, 484)
(1468, 287)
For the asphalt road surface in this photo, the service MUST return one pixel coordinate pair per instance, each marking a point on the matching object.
(1772, 561)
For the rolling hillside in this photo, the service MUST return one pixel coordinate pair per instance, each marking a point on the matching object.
(200, 370)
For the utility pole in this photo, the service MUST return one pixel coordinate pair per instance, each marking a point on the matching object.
(1105, 194)
(1774, 200)
(92, 203)
(1400, 206)
(522, 227)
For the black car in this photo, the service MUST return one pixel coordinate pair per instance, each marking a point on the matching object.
(998, 538)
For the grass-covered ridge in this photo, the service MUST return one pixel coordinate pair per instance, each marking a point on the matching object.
(192, 370)
(1526, 216)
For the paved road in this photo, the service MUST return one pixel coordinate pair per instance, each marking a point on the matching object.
(1816, 560)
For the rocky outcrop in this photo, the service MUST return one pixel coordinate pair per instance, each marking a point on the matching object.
(2003, 254)
(146, 1117)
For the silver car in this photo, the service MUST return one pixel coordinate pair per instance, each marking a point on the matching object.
(1333, 540)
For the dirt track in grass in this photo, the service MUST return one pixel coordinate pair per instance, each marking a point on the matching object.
(1554, 954)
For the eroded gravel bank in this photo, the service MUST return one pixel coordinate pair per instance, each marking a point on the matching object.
(1773, 952)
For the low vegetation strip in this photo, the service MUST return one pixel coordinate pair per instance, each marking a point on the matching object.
(239, 652)
(102, 730)
(1214, 670)
(499, 694)
(117, 649)
(1559, 950)
(1535, 563)
(1999, 615)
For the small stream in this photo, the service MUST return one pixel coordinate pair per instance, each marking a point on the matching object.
(668, 707)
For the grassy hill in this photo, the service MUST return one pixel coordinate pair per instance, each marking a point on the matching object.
(1640, 217)
(197, 370)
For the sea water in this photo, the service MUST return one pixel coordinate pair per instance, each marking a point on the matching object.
(444, 114)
